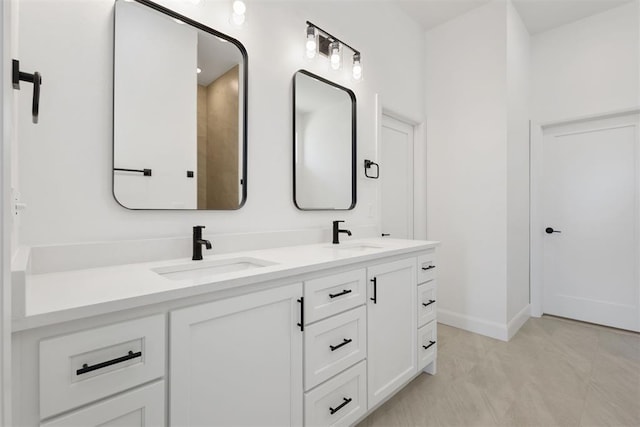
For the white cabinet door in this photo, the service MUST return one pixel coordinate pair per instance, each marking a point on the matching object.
(238, 361)
(391, 324)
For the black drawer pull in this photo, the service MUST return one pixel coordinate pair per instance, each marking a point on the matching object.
(427, 304)
(429, 267)
(344, 292)
(375, 291)
(426, 347)
(86, 368)
(301, 324)
(344, 342)
(345, 402)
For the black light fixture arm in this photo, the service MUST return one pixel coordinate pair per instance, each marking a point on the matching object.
(332, 37)
(36, 79)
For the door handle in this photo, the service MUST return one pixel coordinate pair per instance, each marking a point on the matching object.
(36, 79)
(550, 230)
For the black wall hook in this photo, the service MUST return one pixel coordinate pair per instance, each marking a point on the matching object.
(34, 78)
(368, 164)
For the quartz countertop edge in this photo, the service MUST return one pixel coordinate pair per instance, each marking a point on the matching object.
(52, 298)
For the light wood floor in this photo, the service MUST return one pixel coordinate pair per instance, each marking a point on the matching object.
(554, 372)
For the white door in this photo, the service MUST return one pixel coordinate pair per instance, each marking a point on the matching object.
(590, 217)
(238, 362)
(391, 325)
(396, 178)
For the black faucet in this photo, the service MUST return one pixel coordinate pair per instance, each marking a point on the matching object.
(337, 231)
(198, 241)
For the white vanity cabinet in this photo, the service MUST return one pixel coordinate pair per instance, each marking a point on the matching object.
(391, 320)
(238, 361)
(427, 308)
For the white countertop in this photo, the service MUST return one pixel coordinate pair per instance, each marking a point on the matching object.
(70, 295)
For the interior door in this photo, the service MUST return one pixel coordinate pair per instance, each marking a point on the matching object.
(590, 212)
(396, 178)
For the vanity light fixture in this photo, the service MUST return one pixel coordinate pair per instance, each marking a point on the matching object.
(198, 70)
(239, 9)
(328, 45)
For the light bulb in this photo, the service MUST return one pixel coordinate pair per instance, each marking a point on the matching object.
(357, 67)
(335, 55)
(311, 42)
(239, 7)
(198, 70)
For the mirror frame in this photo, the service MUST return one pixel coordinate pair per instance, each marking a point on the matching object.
(245, 98)
(353, 141)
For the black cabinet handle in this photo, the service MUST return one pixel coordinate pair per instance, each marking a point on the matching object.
(375, 291)
(427, 304)
(343, 343)
(550, 230)
(430, 344)
(429, 267)
(386, 234)
(344, 292)
(345, 402)
(36, 79)
(86, 368)
(301, 324)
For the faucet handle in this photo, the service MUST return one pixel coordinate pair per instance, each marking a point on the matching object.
(338, 221)
(198, 227)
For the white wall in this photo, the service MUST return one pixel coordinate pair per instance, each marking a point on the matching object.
(588, 67)
(157, 71)
(65, 161)
(518, 115)
(466, 93)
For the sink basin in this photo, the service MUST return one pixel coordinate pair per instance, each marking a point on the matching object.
(206, 269)
(355, 247)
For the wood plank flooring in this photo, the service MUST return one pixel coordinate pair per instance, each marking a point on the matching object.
(554, 372)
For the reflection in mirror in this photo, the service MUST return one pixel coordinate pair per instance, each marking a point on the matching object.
(324, 144)
(179, 136)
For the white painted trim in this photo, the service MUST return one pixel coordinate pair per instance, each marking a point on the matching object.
(518, 320)
(473, 324)
(590, 117)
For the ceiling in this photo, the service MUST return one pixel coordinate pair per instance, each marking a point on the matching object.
(537, 15)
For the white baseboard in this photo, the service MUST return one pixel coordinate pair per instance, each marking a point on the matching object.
(473, 324)
(518, 320)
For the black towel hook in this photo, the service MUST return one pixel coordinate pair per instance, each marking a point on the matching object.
(368, 164)
(34, 78)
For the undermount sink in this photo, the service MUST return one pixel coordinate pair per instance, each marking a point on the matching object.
(355, 247)
(206, 269)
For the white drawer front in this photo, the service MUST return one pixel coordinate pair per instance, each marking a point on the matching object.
(340, 401)
(143, 407)
(427, 344)
(333, 345)
(79, 368)
(427, 266)
(426, 303)
(333, 294)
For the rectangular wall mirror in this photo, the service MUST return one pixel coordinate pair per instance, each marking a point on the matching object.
(179, 112)
(324, 144)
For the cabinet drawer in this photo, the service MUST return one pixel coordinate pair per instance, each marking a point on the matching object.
(333, 345)
(427, 266)
(426, 303)
(79, 368)
(340, 401)
(333, 294)
(427, 344)
(142, 407)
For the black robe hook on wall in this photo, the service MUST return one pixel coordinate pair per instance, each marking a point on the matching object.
(34, 78)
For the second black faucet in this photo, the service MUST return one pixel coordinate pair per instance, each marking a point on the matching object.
(198, 241)
(337, 231)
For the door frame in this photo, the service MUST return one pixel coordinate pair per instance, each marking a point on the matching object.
(536, 225)
(419, 125)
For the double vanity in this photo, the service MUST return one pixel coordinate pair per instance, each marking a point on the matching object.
(305, 335)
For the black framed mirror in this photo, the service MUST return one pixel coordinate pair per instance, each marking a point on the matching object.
(324, 144)
(179, 112)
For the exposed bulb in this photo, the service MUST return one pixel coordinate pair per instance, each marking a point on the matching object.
(198, 70)
(357, 67)
(335, 55)
(239, 9)
(311, 42)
